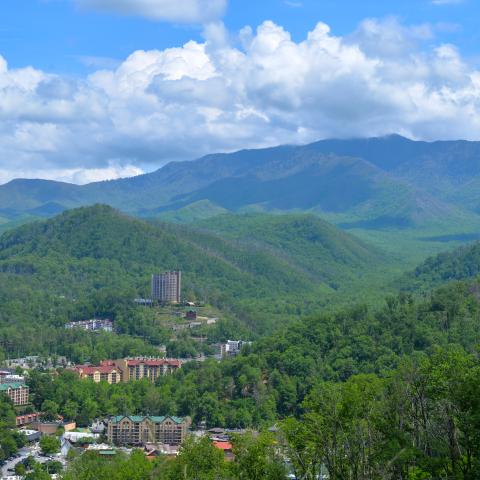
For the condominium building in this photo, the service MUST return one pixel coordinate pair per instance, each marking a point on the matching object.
(106, 371)
(17, 392)
(145, 367)
(167, 287)
(139, 430)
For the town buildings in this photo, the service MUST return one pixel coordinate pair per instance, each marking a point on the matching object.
(167, 287)
(35, 361)
(128, 369)
(17, 392)
(140, 430)
(94, 325)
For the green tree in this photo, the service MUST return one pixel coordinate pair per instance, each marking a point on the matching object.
(198, 460)
(49, 444)
(256, 458)
(50, 410)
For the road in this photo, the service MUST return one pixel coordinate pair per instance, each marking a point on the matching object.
(24, 453)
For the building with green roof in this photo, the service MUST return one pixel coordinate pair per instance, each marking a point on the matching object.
(17, 392)
(139, 430)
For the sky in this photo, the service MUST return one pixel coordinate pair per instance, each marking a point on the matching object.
(101, 89)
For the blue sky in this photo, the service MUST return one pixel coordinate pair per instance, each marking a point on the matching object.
(97, 89)
(58, 36)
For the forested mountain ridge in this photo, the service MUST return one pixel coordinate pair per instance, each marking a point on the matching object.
(385, 182)
(462, 263)
(96, 260)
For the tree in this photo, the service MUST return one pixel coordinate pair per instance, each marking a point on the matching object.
(198, 460)
(53, 466)
(256, 458)
(50, 410)
(20, 469)
(301, 449)
(37, 474)
(49, 445)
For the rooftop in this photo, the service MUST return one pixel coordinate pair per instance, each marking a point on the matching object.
(154, 362)
(89, 369)
(223, 445)
(15, 385)
(140, 418)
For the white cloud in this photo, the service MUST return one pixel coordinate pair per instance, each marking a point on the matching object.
(181, 103)
(183, 11)
(79, 176)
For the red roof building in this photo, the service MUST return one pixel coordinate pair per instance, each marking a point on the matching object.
(227, 448)
(107, 373)
(128, 369)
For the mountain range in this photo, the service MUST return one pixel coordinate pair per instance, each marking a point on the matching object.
(371, 183)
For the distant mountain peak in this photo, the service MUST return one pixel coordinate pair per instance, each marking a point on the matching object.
(356, 180)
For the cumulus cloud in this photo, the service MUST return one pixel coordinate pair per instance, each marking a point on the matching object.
(184, 11)
(261, 88)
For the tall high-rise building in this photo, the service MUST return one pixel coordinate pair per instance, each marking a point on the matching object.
(167, 287)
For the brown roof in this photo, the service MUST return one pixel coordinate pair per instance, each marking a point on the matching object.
(90, 370)
(155, 363)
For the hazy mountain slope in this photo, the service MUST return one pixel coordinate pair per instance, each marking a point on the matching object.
(382, 182)
(460, 264)
(23, 194)
(442, 168)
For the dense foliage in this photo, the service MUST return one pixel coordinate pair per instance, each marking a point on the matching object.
(271, 379)
(420, 421)
(95, 261)
(459, 264)
(10, 440)
(363, 393)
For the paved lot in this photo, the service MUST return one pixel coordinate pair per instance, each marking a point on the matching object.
(10, 464)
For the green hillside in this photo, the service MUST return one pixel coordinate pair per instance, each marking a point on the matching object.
(95, 260)
(323, 251)
(462, 263)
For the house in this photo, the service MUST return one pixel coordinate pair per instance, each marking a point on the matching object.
(31, 435)
(51, 428)
(74, 437)
(17, 392)
(232, 348)
(226, 447)
(140, 430)
(27, 419)
(155, 450)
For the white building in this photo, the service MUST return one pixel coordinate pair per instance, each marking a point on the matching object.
(93, 325)
(232, 347)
